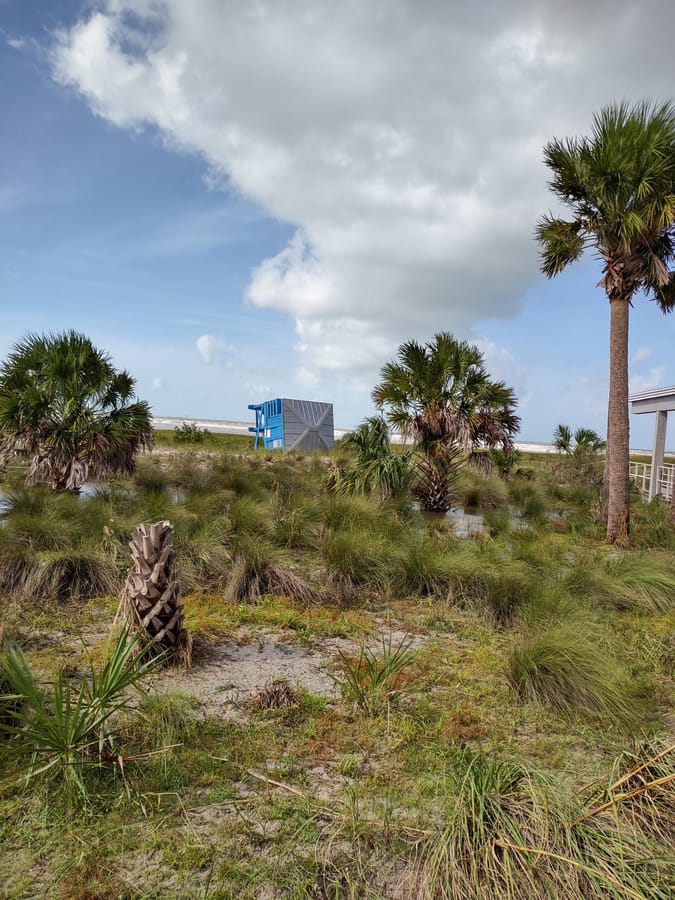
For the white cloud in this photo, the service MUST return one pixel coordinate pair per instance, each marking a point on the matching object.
(256, 391)
(404, 141)
(157, 383)
(649, 382)
(214, 351)
(641, 354)
(16, 43)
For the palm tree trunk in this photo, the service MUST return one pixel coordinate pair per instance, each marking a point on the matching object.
(605, 477)
(618, 512)
(151, 594)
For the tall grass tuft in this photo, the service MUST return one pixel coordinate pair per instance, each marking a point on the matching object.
(424, 568)
(643, 580)
(298, 523)
(254, 573)
(510, 832)
(78, 573)
(358, 559)
(570, 669)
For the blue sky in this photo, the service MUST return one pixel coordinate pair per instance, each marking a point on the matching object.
(241, 205)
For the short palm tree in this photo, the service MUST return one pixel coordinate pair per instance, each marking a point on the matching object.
(441, 396)
(374, 468)
(66, 408)
(619, 184)
(583, 441)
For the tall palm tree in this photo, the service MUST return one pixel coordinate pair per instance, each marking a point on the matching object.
(619, 184)
(66, 408)
(441, 396)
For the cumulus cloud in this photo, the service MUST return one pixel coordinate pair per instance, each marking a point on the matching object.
(649, 381)
(402, 140)
(213, 350)
(641, 354)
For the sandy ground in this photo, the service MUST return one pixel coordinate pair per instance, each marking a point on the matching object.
(227, 673)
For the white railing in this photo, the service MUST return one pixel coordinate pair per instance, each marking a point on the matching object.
(641, 473)
(664, 481)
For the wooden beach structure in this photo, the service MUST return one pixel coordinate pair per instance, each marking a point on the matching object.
(285, 424)
(655, 479)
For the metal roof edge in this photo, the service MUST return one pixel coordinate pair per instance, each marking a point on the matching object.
(654, 394)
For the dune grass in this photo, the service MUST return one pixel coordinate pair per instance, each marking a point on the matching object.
(573, 669)
(514, 761)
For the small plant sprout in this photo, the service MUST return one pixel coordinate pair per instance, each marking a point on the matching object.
(371, 681)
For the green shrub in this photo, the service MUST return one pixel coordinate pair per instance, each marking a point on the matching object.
(190, 433)
(66, 728)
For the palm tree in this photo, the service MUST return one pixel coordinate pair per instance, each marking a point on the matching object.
(374, 467)
(620, 187)
(440, 395)
(66, 408)
(584, 441)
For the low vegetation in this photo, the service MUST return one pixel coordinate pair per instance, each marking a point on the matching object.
(377, 707)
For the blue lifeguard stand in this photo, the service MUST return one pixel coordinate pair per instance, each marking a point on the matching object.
(285, 424)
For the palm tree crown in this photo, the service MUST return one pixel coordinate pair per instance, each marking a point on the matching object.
(64, 405)
(440, 392)
(620, 187)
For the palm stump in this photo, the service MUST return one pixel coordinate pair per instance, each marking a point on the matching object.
(152, 597)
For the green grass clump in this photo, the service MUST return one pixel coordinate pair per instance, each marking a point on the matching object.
(358, 559)
(510, 831)
(78, 574)
(256, 571)
(298, 523)
(424, 568)
(486, 493)
(568, 668)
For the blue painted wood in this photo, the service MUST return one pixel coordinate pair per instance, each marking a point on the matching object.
(285, 424)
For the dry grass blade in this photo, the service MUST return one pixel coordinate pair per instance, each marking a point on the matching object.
(252, 576)
(572, 862)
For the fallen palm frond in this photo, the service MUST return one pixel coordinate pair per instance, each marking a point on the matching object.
(278, 694)
(511, 832)
(644, 789)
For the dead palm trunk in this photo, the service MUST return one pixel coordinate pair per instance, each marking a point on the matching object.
(618, 525)
(151, 597)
